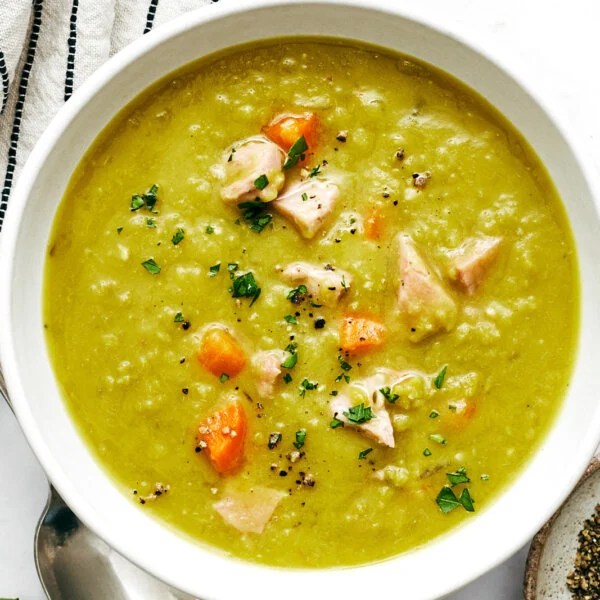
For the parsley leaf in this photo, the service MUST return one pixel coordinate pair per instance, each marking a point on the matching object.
(290, 361)
(304, 196)
(297, 295)
(427, 452)
(214, 270)
(287, 378)
(274, 439)
(359, 414)
(224, 377)
(119, 229)
(209, 229)
(439, 380)
(343, 364)
(253, 211)
(434, 414)
(466, 500)
(149, 200)
(387, 394)
(178, 236)
(307, 385)
(438, 439)
(232, 268)
(315, 171)
(151, 266)
(245, 286)
(291, 319)
(447, 500)
(178, 318)
(300, 438)
(151, 223)
(295, 153)
(335, 423)
(364, 453)
(260, 183)
(458, 476)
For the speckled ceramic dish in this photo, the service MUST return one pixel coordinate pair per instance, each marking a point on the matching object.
(552, 554)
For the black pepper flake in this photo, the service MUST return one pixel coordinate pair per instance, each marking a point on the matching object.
(186, 325)
(395, 203)
(185, 391)
(319, 323)
(584, 581)
(342, 136)
(283, 473)
(386, 194)
(181, 360)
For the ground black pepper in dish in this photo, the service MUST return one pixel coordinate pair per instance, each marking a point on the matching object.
(584, 581)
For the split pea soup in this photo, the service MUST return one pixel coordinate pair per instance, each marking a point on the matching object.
(302, 297)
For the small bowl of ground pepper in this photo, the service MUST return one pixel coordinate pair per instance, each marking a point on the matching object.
(564, 558)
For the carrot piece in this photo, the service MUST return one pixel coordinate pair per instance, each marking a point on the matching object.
(461, 414)
(361, 332)
(374, 224)
(222, 435)
(220, 353)
(287, 128)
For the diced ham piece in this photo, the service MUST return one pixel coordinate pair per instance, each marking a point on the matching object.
(266, 366)
(248, 510)
(424, 303)
(307, 204)
(367, 392)
(325, 284)
(470, 262)
(246, 162)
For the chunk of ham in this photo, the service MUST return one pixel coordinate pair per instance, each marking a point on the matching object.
(308, 204)
(470, 262)
(266, 366)
(426, 306)
(325, 284)
(366, 391)
(248, 510)
(247, 161)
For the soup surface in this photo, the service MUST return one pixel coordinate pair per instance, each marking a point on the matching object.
(353, 361)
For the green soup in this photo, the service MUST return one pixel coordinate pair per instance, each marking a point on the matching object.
(410, 394)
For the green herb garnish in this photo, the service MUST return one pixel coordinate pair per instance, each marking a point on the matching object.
(291, 319)
(306, 385)
(295, 153)
(274, 439)
(427, 452)
(151, 266)
(387, 394)
(343, 364)
(232, 268)
(178, 318)
(254, 213)
(245, 286)
(300, 438)
(151, 223)
(335, 423)
(434, 414)
(119, 229)
(364, 453)
(466, 500)
(149, 199)
(209, 229)
(439, 380)
(458, 476)
(178, 236)
(304, 196)
(447, 500)
(260, 183)
(297, 295)
(315, 171)
(359, 414)
(212, 271)
(290, 361)
(484, 477)
(287, 378)
(438, 439)
(224, 377)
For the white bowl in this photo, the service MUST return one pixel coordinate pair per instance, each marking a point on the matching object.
(430, 571)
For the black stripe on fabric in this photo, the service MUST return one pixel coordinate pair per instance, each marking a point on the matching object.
(4, 75)
(151, 14)
(16, 128)
(72, 44)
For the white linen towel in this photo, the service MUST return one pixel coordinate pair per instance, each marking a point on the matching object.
(47, 49)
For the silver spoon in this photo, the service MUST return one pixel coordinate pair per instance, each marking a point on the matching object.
(74, 564)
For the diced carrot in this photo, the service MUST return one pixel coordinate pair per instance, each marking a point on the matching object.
(460, 414)
(360, 332)
(287, 128)
(374, 224)
(222, 436)
(220, 353)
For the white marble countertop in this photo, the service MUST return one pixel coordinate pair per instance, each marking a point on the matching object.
(554, 42)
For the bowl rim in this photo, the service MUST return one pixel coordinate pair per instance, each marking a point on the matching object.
(14, 214)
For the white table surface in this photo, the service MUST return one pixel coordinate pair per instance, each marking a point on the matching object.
(553, 42)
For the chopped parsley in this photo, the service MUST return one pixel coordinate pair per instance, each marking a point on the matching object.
(298, 294)
(304, 196)
(307, 385)
(178, 236)
(151, 223)
(438, 439)
(466, 500)
(458, 476)
(151, 266)
(364, 453)
(434, 414)
(209, 229)
(343, 364)
(260, 183)
(290, 361)
(149, 200)
(447, 500)
(287, 378)
(291, 319)
(295, 153)
(119, 229)
(343, 376)
(232, 268)
(335, 423)
(484, 477)
(224, 377)
(178, 318)
(212, 271)
(359, 414)
(427, 452)
(245, 286)
(315, 171)
(439, 380)
(387, 394)
(300, 438)
(254, 213)
(274, 439)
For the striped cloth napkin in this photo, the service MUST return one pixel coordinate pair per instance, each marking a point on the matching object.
(47, 49)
